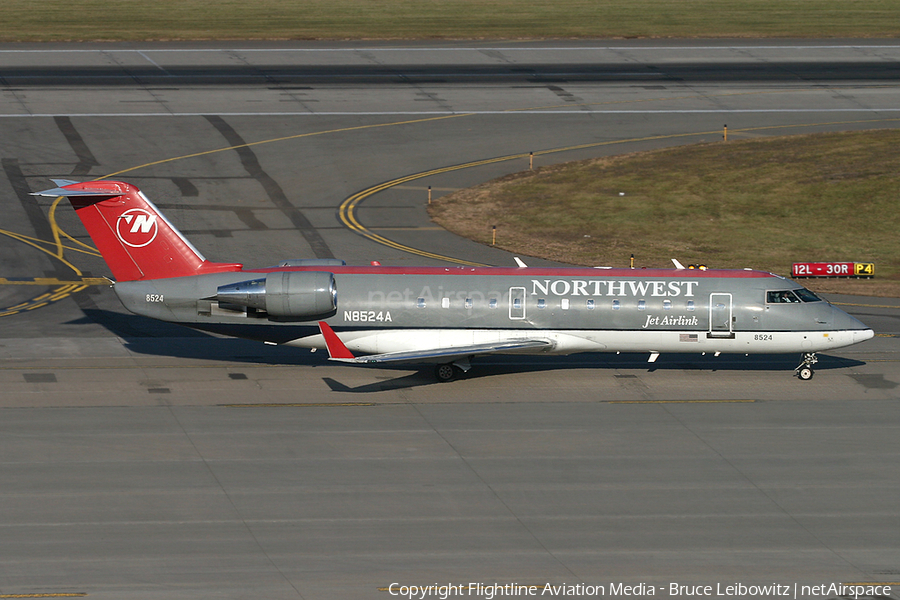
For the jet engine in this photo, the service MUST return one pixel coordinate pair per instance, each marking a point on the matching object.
(300, 295)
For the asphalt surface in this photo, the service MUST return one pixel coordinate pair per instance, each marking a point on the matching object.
(141, 460)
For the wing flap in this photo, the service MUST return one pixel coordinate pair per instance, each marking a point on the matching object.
(338, 351)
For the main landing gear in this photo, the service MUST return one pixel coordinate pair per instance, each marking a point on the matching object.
(449, 371)
(805, 371)
(445, 372)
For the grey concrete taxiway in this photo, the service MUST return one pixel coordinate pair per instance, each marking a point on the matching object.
(142, 460)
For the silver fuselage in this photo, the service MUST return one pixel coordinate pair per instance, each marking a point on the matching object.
(381, 309)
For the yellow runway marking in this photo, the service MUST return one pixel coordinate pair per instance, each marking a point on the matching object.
(347, 209)
(349, 206)
(85, 281)
(35, 244)
(865, 305)
(58, 249)
(285, 139)
(435, 228)
(85, 249)
(65, 289)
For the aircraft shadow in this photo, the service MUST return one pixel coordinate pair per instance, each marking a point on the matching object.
(157, 338)
(143, 335)
(604, 364)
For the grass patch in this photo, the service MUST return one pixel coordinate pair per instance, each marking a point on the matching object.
(132, 20)
(761, 203)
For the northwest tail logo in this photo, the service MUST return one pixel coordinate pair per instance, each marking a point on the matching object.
(136, 227)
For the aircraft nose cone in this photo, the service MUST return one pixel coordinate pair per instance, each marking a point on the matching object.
(861, 335)
(845, 322)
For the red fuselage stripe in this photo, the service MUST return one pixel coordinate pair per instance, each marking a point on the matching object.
(530, 272)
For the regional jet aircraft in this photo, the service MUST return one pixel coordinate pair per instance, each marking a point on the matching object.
(448, 315)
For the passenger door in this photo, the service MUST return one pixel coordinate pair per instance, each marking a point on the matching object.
(720, 316)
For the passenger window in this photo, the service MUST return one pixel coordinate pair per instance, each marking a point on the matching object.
(616, 305)
(564, 304)
(493, 303)
(445, 302)
(468, 303)
(590, 304)
(690, 305)
(541, 303)
(420, 303)
(642, 305)
(667, 305)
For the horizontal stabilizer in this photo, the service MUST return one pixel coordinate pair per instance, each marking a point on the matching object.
(60, 191)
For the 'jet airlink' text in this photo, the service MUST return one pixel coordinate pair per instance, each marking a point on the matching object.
(612, 287)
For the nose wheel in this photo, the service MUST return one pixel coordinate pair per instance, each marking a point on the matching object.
(804, 370)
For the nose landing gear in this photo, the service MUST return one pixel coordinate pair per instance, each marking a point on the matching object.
(804, 370)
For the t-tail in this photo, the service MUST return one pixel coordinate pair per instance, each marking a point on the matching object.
(135, 239)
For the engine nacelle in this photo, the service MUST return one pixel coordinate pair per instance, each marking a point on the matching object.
(301, 295)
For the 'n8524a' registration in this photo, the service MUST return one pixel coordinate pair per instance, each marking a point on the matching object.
(367, 316)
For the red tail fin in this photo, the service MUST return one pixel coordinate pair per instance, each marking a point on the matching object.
(135, 239)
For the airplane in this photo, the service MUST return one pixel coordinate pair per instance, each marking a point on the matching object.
(446, 316)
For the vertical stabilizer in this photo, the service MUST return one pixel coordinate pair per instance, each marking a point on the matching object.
(135, 239)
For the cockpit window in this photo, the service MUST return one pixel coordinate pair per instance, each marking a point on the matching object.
(807, 296)
(791, 296)
(781, 297)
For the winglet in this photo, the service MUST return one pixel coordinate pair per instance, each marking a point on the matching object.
(678, 265)
(519, 262)
(336, 348)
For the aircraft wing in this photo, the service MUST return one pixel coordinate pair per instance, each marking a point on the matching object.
(339, 352)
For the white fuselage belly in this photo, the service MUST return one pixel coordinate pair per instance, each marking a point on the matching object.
(569, 342)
